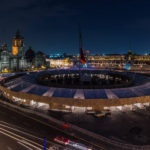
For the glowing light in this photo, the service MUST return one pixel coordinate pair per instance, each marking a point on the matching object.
(5, 70)
(128, 66)
(84, 66)
(65, 125)
(14, 50)
(43, 67)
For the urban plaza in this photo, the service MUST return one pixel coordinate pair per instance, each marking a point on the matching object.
(81, 83)
(75, 75)
(73, 86)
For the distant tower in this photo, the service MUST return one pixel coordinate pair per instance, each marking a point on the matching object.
(18, 45)
(129, 56)
(18, 61)
(129, 60)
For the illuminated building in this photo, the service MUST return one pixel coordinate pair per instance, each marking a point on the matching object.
(16, 60)
(4, 58)
(18, 45)
(60, 62)
(127, 61)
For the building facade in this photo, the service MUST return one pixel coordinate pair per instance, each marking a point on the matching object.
(127, 61)
(16, 60)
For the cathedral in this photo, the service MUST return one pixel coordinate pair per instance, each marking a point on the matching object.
(16, 60)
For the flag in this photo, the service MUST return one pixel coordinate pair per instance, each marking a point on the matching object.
(82, 58)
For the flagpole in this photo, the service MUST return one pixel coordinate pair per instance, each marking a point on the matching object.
(80, 46)
(81, 57)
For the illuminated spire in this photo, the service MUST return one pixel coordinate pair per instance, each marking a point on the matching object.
(18, 36)
(17, 32)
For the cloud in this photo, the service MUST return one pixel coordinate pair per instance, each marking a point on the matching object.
(33, 8)
(7, 5)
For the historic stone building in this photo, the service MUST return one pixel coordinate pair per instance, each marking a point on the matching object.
(127, 61)
(16, 60)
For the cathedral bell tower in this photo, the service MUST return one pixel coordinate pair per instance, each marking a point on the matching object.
(17, 52)
(18, 45)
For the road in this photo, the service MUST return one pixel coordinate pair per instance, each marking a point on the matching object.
(30, 130)
(33, 129)
(19, 130)
(14, 138)
(8, 143)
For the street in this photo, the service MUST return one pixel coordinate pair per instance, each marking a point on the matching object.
(8, 143)
(34, 129)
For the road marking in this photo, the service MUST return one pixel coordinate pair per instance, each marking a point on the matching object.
(18, 139)
(9, 148)
(46, 124)
(21, 132)
(49, 142)
(25, 146)
(18, 136)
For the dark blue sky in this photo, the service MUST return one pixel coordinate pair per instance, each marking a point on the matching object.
(52, 25)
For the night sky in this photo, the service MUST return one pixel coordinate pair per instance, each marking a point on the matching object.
(51, 26)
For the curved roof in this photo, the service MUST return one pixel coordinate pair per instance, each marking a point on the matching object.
(28, 84)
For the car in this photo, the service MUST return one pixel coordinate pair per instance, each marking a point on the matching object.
(65, 126)
(61, 140)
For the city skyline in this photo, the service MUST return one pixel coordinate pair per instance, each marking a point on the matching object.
(74, 74)
(52, 26)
